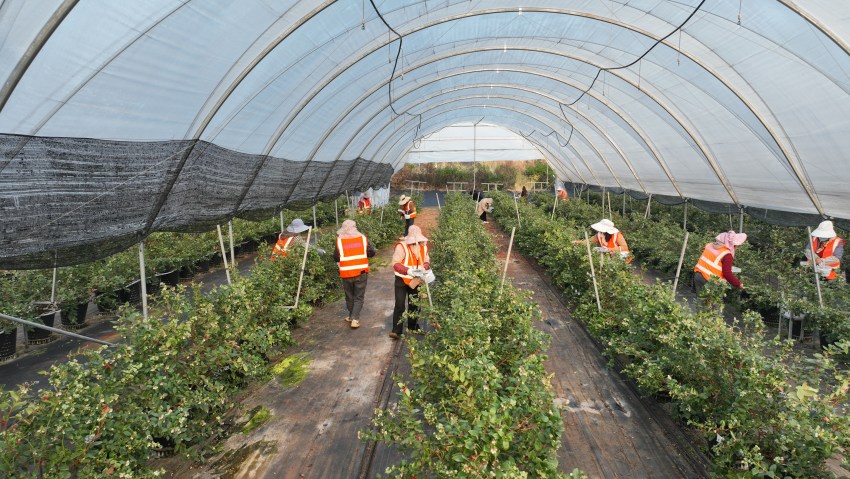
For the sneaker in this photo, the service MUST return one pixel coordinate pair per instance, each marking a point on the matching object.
(348, 319)
(395, 336)
(355, 324)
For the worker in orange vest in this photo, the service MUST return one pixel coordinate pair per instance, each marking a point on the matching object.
(716, 260)
(562, 194)
(352, 253)
(411, 266)
(828, 250)
(609, 240)
(364, 206)
(288, 238)
(407, 208)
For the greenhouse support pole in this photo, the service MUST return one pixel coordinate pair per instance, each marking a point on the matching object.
(437, 195)
(347, 201)
(685, 223)
(610, 212)
(679, 267)
(336, 212)
(143, 282)
(592, 272)
(648, 205)
(54, 330)
(815, 269)
(53, 288)
(232, 248)
(281, 221)
(741, 220)
(507, 261)
(553, 208)
(516, 205)
(315, 223)
(303, 265)
(588, 195)
(223, 253)
(624, 203)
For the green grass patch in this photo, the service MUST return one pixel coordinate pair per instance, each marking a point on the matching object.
(259, 416)
(292, 370)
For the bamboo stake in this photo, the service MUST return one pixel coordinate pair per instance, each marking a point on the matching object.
(741, 221)
(685, 224)
(336, 212)
(303, 265)
(610, 212)
(143, 280)
(232, 248)
(53, 289)
(516, 205)
(223, 254)
(281, 221)
(437, 195)
(815, 269)
(553, 207)
(679, 267)
(592, 272)
(648, 205)
(624, 203)
(507, 261)
(315, 223)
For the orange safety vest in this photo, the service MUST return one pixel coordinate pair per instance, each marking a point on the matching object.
(612, 245)
(281, 247)
(409, 209)
(411, 261)
(562, 194)
(709, 263)
(352, 256)
(365, 204)
(825, 251)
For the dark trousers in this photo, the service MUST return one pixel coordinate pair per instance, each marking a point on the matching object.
(483, 216)
(699, 282)
(407, 224)
(355, 291)
(402, 301)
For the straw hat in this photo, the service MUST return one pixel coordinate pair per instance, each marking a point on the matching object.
(348, 229)
(414, 235)
(297, 226)
(824, 230)
(403, 200)
(605, 226)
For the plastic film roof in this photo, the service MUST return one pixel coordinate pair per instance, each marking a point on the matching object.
(122, 118)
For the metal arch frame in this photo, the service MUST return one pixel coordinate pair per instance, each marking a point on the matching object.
(616, 111)
(33, 50)
(704, 150)
(503, 107)
(62, 11)
(794, 164)
(592, 125)
(686, 128)
(520, 114)
(584, 118)
(570, 147)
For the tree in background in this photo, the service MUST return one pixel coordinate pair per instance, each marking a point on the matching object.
(539, 171)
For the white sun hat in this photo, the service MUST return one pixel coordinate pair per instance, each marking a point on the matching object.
(824, 230)
(403, 200)
(297, 226)
(605, 226)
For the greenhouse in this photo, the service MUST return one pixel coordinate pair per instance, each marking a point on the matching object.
(546, 199)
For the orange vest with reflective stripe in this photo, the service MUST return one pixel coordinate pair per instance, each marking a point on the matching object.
(825, 251)
(562, 194)
(409, 209)
(709, 263)
(281, 246)
(411, 261)
(352, 256)
(612, 245)
(365, 204)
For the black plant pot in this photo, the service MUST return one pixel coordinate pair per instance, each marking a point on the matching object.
(107, 302)
(75, 316)
(171, 278)
(133, 292)
(8, 344)
(38, 335)
(203, 266)
(249, 246)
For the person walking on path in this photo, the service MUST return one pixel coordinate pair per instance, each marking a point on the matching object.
(407, 208)
(524, 194)
(610, 239)
(410, 263)
(828, 250)
(484, 206)
(716, 260)
(289, 238)
(352, 252)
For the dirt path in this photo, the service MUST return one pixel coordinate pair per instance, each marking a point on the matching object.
(312, 432)
(609, 431)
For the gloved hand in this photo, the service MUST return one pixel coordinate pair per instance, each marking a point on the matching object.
(415, 272)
